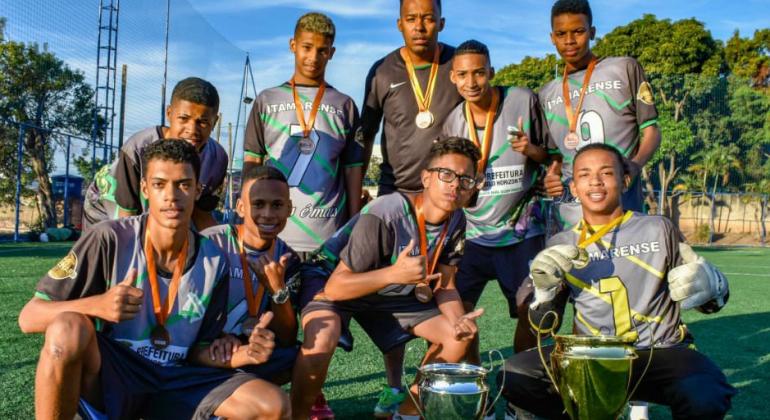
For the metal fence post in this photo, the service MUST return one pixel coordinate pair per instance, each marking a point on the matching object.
(67, 183)
(19, 154)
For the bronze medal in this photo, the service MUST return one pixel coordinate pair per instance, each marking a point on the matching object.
(424, 119)
(423, 293)
(571, 140)
(307, 143)
(159, 337)
(248, 325)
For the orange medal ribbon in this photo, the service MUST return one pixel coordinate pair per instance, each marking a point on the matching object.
(572, 116)
(252, 299)
(298, 107)
(486, 144)
(432, 262)
(423, 100)
(162, 309)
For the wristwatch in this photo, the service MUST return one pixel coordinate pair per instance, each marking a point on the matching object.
(281, 296)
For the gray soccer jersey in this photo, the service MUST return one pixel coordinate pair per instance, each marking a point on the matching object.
(383, 230)
(101, 259)
(389, 97)
(509, 174)
(117, 185)
(624, 287)
(316, 180)
(618, 104)
(226, 238)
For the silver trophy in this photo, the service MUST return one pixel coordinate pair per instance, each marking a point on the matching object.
(450, 391)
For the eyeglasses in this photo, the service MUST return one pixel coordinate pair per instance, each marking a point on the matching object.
(448, 176)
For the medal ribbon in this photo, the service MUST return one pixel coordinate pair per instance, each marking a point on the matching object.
(572, 117)
(160, 308)
(430, 264)
(298, 107)
(423, 101)
(486, 144)
(252, 299)
(595, 236)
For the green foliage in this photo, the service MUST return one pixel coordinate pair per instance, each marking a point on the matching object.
(372, 176)
(750, 57)
(532, 72)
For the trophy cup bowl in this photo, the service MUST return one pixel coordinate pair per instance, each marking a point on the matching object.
(592, 374)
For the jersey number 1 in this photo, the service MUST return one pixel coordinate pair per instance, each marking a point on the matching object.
(621, 311)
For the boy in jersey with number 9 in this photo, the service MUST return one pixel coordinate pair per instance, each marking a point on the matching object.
(131, 310)
(628, 275)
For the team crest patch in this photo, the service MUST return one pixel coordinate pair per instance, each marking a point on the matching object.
(65, 268)
(645, 93)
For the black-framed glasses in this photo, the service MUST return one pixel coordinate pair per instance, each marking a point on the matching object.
(447, 175)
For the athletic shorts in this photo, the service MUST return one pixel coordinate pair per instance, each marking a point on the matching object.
(387, 329)
(313, 281)
(508, 264)
(134, 387)
(280, 361)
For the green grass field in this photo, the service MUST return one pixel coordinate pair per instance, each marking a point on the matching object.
(737, 338)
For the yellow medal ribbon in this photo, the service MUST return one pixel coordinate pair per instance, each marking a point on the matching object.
(423, 100)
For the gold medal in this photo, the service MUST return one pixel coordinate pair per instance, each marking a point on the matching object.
(424, 119)
(571, 140)
(248, 325)
(159, 337)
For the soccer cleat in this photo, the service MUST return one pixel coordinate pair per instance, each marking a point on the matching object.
(388, 402)
(320, 409)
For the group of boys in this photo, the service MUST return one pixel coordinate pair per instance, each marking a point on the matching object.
(157, 311)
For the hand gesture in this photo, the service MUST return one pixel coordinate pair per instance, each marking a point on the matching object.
(550, 266)
(520, 140)
(261, 341)
(122, 301)
(223, 347)
(271, 273)
(465, 327)
(409, 269)
(552, 181)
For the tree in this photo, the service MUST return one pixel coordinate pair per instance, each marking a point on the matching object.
(40, 92)
(532, 72)
(750, 57)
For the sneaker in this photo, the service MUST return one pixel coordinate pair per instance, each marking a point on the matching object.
(320, 409)
(388, 402)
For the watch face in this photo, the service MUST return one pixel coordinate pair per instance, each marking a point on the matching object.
(281, 296)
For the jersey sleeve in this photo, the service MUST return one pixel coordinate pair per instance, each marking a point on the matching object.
(216, 312)
(538, 126)
(209, 199)
(85, 271)
(370, 244)
(548, 142)
(128, 177)
(646, 113)
(353, 153)
(372, 112)
(254, 138)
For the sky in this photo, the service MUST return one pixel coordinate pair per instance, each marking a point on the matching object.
(211, 38)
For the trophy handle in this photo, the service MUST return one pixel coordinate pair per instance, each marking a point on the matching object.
(408, 387)
(548, 371)
(491, 366)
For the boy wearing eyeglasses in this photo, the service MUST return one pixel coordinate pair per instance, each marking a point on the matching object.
(403, 244)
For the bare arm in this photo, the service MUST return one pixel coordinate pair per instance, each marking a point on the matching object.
(258, 350)
(648, 145)
(447, 298)
(284, 324)
(344, 284)
(354, 180)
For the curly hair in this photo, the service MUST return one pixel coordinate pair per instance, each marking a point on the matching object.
(317, 23)
(196, 90)
(454, 145)
(172, 150)
(577, 7)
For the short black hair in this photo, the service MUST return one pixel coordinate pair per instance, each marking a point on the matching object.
(259, 172)
(577, 7)
(196, 90)
(472, 46)
(607, 148)
(454, 145)
(438, 4)
(173, 150)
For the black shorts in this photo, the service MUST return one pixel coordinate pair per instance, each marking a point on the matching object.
(508, 264)
(133, 387)
(281, 361)
(387, 329)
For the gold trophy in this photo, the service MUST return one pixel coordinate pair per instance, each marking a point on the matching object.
(592, 374)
